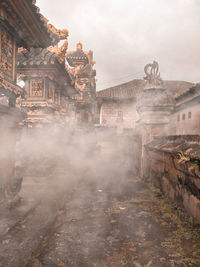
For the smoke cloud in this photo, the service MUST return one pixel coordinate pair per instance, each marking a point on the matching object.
(59, 157)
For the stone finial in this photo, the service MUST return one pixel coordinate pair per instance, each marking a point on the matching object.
(153, 74)
(79, 46)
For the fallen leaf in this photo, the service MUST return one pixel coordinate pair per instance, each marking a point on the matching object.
(6, 242)
(61, 264)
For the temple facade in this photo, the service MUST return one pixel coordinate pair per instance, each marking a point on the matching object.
(20, 26)
(60, 85)
(58, 89)
(48, 88)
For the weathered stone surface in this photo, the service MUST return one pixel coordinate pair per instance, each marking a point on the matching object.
(180, 181)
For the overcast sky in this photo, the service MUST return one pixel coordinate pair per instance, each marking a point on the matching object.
(127, 34)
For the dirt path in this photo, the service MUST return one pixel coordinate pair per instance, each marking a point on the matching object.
(134, 226)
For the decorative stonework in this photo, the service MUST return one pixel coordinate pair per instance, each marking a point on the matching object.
(36, 88)
(10, 86)
(61, 35)
(80, 68)
(60, 51)
(154, 103)
(7, 54)
(153, 75)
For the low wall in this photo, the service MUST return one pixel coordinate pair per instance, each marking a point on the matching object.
(178, 179)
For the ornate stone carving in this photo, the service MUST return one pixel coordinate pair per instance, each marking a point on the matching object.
(74, 73)
(10, 86)
(152, 74)
(61, 34)
(6, 53)
(78, 57)
(154, 98)
(81, 68)
(36, 88)
(60, 51)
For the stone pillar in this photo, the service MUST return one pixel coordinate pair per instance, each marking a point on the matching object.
(154, 106)
(80, 67)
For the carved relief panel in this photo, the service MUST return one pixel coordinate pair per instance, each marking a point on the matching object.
(84, 81)
(7, 54)
(37, 88)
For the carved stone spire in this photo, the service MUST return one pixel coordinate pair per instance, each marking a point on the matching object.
(152, 77)
(80, 67)
(79, 46)
(154, 95)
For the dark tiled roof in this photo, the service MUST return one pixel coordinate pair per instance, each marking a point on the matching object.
(123, 91)
(131, 89)
(36, 11)
(192, 91)
(30, 25)
(36, 56)
(178, 88)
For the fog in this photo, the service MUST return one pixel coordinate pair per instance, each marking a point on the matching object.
(126, 35)
(54, 159)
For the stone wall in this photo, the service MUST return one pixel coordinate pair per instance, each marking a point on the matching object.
(178, 179)
(118, 113)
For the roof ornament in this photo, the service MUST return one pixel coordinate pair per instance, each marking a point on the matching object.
(61, 35)
(152, 74)
(79, 46)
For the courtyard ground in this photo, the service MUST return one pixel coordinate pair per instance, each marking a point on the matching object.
(83, 206)
(135, 226)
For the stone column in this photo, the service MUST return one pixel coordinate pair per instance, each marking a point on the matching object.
(154, 106)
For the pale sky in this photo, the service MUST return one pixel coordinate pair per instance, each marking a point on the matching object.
(125, 35)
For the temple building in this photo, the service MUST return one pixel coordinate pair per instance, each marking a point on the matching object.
(117, 105)
(21, 25)
(60, 85)
(80, 67)
(48, 86)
